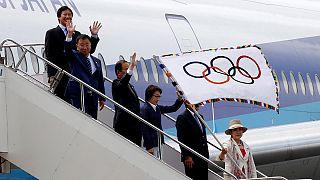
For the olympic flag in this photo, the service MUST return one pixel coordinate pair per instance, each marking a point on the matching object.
(240, 74)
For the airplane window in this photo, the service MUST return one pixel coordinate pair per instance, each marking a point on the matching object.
(34, 60)
(144, 69)
(103, 64)
(310, 84)
(285, 82)
(302, 84)
(23, 64)
(317, 83)
(121, 57)
(154, 70)
(293, 83)
(277, 79)
(9, 56)
(183, 32)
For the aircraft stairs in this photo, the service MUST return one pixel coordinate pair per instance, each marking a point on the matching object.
(50, 139)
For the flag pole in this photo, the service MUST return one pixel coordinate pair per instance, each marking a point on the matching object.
(180, 91)
(213, 123)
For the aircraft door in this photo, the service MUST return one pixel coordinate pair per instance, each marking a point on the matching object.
(183, 32)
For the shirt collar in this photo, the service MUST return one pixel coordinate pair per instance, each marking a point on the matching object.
(153, 106)
(62, 27)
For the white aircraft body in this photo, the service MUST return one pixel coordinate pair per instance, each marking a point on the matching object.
(157, 27)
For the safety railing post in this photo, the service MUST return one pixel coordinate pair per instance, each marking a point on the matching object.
(82, 97)
(20, 60)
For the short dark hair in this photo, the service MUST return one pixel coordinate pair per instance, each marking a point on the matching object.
(195, 105)
(63, 8)
(83, 37)
(150, 90)
(118, 66)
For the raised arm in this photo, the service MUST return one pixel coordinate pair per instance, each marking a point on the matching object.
(94, 29)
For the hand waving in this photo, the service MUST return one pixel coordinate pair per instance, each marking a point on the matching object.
(94, 29)
(133, 62)
(70, 28)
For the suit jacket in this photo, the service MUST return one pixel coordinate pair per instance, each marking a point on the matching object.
(124, 93)
(246, 163)
(54, 48)
(190, 134)
(79, 69)
(150, 136)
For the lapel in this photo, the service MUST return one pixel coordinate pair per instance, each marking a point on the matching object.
(96, 63)
(193, 121)
(81, 60)
(132, 90)
(60, 33)
(244, 158)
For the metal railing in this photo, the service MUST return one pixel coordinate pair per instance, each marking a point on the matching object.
(83, 84)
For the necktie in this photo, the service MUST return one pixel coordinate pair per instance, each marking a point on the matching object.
(198, 122)
(88, 64)
(65, 31)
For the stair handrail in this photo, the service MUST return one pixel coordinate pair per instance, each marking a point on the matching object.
(174, 120)
(112, 101)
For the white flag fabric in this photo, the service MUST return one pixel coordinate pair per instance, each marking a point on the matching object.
(239, 74)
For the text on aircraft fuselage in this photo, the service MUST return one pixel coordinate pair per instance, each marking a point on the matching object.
(39, 5)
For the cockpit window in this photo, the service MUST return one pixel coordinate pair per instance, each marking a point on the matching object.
(293, 83)
(310, 84)
(285, 82)
(144, 69)
(302, 84)
(154, 70)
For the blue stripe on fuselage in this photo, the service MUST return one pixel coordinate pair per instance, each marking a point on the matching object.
(288, 115)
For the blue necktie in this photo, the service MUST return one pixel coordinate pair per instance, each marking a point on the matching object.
(88, 65)
(65, 31)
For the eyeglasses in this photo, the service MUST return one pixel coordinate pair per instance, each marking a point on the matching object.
(156, 96)
(84, 45)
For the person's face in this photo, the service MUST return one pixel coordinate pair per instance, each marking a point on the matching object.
(155, 98)
(84, 46)
(124, 68)
(66, 16)
(237, 133)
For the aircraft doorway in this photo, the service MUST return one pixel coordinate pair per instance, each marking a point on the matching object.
(183, 32)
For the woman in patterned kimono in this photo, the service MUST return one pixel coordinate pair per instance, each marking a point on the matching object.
(239, 151)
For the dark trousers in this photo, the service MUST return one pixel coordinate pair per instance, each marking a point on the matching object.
(90, 103)
(61, 88)
(199, 171)
(133, 134)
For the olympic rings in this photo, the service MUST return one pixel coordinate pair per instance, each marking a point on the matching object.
(214, 67)
(259, 70)
(231, 73)
(185, 70)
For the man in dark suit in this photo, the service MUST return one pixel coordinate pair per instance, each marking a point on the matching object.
(88, 69)
(54, 47)
(191, 132)
(124, 94)
(151, 111)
